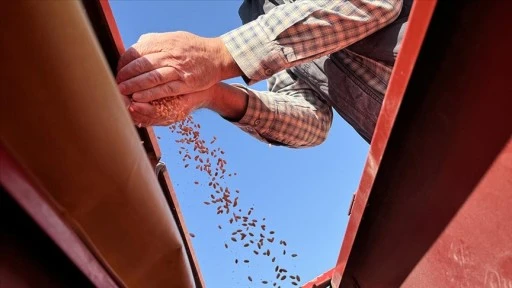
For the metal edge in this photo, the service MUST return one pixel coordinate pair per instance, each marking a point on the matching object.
(320, 281)
(420, 16)
(113, 47)
(165, 181)
(152, 148)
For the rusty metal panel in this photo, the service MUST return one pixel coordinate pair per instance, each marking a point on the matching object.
(433, 206)
(23, 263)
(104, 25)
(453, 122)
(419, 19)
(165, 182)
(64, 123)
(475, 250)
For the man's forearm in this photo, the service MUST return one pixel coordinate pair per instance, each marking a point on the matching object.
(228, 101)
(301, 31)
(293, 116)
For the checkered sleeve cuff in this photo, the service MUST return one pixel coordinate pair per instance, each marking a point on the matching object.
(257, 55)
(259, 116)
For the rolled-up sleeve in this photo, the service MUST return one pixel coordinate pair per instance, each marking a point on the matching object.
(290, 114)
(294, 33)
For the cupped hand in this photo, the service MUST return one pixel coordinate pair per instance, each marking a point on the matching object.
(168, 110)
(160, 65)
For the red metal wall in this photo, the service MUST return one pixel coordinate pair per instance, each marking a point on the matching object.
(434, 206)
(475, 250)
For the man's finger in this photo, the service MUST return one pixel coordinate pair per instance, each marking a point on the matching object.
(127, 57)
(146, 36)
(144, 109)
(168, 89)
(141, 120)
(144, 46)
(148, 80)
(140, 65)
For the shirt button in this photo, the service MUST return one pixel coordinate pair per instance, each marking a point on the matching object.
(269, 72)
(257, 122)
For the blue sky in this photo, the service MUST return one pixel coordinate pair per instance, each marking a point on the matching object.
(303, 194)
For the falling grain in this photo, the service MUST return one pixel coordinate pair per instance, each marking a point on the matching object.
(206, 160)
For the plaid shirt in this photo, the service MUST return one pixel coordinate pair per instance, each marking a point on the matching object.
(291, 113)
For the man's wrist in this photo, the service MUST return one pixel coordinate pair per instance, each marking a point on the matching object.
(228, 68)
(228, 101)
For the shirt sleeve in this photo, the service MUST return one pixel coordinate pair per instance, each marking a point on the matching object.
(290, 114)
(294, 33)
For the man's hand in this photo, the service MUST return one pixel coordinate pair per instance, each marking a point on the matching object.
(168, 110)
(228, 101)
(160, 65)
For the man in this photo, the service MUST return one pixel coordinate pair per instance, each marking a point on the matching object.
(316, 54)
